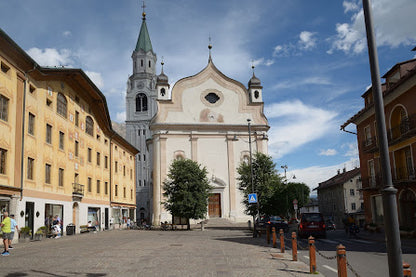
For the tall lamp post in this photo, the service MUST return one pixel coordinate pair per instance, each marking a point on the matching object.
(391, 221)
(251, 178)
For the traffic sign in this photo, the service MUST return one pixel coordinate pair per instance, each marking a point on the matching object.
(252, 198)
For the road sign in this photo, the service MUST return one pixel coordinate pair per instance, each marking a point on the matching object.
(252, 198)
(295, 201)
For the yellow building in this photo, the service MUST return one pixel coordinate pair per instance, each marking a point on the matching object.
(59, 155)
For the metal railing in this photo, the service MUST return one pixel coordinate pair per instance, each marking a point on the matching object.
(404, 174)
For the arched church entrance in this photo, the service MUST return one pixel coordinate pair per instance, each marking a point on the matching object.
(408, 209)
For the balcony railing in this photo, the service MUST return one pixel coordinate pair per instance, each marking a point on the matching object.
(77, 190)
(372, 182)
(406, 128)
(369, 144)
(404, 174)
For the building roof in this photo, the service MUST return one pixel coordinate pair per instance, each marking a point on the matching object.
(339, 179)
(387, 91)
(74, 77)
(143, 42)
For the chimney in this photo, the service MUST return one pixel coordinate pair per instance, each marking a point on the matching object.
(344, 170)
(338, 171)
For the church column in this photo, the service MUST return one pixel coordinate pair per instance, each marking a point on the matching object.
(159, 174)
(231, 176)
(194, 148)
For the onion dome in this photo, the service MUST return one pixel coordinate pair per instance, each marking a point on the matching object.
(162, 79)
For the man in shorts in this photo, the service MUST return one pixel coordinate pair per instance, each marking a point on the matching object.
(6, 229)
(13, 227)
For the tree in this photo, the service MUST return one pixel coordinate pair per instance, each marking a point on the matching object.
(284, 197)
(187, 190)
(266, 182)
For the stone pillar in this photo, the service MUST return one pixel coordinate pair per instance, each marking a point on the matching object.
(231, 176)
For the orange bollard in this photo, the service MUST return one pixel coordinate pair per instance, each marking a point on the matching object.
(342, 261)
(274, 237)
(312, 255)
(294, 247)
(406, 270)
(268, 234)
(282, 241)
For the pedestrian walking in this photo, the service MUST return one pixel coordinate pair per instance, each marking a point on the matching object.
(111, 223)
(5, 228)
(13, 227)
(128, 223)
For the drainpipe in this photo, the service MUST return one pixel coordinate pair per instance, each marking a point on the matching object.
(23, 131)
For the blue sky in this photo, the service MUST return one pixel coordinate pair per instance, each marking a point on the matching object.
(311, 57)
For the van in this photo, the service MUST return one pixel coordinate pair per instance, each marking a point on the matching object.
(312, 224)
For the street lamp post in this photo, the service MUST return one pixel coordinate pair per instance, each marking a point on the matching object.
(391, 221)
(251, 178)
(284, 168)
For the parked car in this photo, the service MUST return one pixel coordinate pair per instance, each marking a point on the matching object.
(312, 224)
(261, 222)
(278, 223)
(330, 225)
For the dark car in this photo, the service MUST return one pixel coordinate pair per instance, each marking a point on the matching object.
(312, 224)
(278, 223)
(261, 222)
(330, 225)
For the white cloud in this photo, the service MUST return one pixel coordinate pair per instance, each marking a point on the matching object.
(328, 152)
(294, 83)
(350, 6)
(262, 61)
(307, 40)
(295, 124)
(394, 23)
(67, 34)
(51, 56)
(314, 175)
(96, 78)
(352, 150)
(283, 50)
(120, 117)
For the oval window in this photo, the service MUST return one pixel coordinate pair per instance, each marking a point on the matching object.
(212, 97)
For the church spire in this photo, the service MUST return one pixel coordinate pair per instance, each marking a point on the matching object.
(143, 42)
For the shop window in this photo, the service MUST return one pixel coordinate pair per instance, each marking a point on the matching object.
(4, 108)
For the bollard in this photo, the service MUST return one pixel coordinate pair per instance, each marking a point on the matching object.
(202, 226)
(282, 241)
(294, 247)
(406, 270)
(274, 237)
(342, 261)
(312, 255)
(268, 234)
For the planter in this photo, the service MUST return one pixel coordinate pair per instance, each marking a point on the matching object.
(24, 239)
(38, 236)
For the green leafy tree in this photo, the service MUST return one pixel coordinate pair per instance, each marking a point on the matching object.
(284, 196)
(187, 190)
(266, 182)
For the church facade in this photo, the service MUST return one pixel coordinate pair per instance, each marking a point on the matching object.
(205, 118)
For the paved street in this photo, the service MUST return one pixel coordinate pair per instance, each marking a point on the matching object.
(214, 252)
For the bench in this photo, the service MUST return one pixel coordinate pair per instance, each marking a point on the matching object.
(87, 229)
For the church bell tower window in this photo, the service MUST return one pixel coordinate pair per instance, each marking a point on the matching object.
(163, 92)
(256, 94)
(141, 102)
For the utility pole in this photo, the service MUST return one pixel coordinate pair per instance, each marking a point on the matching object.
(391, 221)
(251, 179)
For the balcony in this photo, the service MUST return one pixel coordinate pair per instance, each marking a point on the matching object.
(404, 175)
(77, 191)
(372, 182)
(369, 145)
(406, 129)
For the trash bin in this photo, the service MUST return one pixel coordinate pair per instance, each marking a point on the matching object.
(70, 229)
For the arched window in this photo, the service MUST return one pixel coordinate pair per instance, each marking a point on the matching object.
(89, 126)
(61, 106)
(141, 63)
(399, 122)
(141, 102)
(256, 94)
(163, 92)
(150, 64)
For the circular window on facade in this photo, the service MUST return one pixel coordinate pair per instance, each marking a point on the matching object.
(212, 97)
